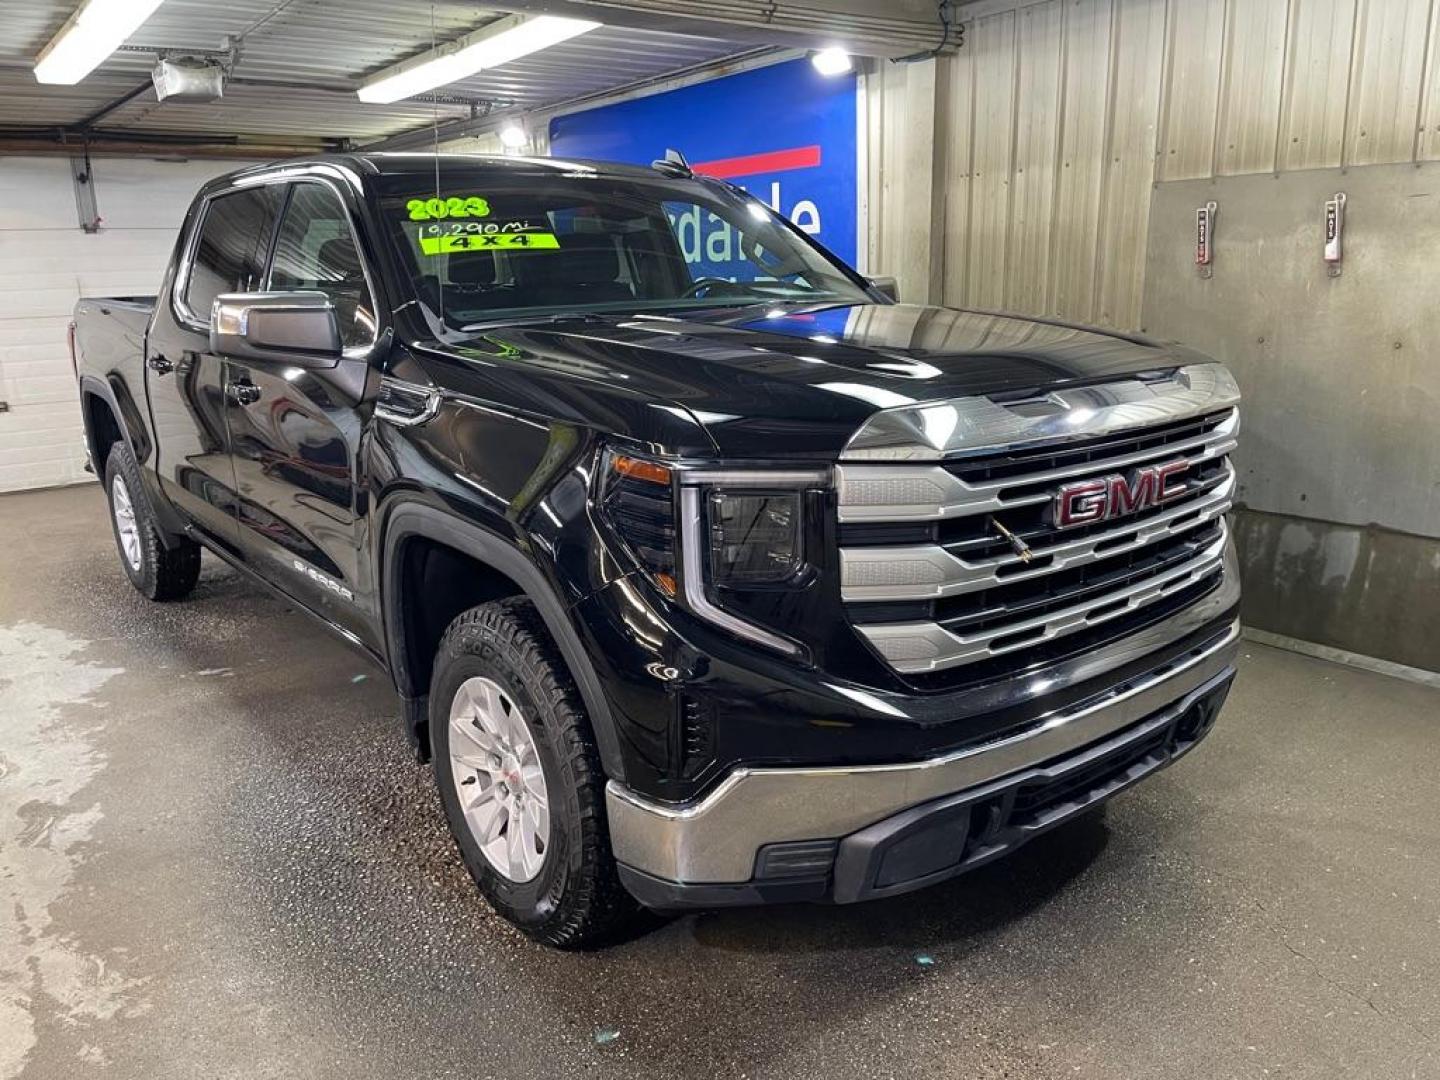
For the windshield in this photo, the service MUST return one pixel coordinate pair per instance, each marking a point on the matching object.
(495, 244)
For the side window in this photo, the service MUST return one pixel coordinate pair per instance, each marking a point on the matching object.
(316, 251)
(230, 253)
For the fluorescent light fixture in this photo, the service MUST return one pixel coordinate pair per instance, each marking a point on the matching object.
(832, 61)
(502, 41)
(95, 31)
(513, 137)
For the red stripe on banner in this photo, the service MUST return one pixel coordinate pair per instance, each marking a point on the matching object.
(801, 157)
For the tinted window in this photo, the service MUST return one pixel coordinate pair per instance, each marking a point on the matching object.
(316, 251)
(230, 256)
(494, 243)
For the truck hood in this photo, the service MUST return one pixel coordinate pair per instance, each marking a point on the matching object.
(787, 382)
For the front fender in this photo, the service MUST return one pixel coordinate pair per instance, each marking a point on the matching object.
(417, 519)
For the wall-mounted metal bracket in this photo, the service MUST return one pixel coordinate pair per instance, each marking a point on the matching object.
(1205, 239)
(1334, 230)
(83, 180)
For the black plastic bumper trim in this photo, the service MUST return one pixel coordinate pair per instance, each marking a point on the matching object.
(946, 837)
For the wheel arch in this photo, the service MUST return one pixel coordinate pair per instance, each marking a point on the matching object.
(105, 423)
(413, 521)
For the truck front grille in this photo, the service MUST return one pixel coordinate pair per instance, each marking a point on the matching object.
(959, 562)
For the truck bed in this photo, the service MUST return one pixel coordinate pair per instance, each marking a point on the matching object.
(110, 334)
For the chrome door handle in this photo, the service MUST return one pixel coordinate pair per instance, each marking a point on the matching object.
(160, 365)
(243, 393)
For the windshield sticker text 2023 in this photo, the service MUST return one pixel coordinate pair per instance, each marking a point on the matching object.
(456, 206)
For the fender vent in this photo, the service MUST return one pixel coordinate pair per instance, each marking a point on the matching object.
(694, 733)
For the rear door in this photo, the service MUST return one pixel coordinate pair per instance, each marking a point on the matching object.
(295, 432)
(185, 381)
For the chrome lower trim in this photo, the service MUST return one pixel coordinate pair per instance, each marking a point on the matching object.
(929, 572)
(716, 839)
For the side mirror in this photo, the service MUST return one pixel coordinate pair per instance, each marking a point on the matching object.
(298, 328)
(886, 287)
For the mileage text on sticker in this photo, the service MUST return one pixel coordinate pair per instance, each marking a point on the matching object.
(441, 245)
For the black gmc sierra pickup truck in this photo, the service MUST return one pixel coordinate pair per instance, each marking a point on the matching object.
(706, 572)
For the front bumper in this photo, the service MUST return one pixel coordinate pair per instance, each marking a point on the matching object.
(849, 833)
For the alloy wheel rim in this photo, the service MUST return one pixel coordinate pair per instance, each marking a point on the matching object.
(125, 524)
(498, 778)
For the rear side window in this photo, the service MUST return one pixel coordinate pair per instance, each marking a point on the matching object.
(316, 251)
(230, 253)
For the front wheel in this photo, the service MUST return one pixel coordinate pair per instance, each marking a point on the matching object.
(159, 570)
(520, 778)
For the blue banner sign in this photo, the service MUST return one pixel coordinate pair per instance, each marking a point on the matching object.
(785, 133)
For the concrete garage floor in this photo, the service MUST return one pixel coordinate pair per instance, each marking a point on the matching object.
(217, 860)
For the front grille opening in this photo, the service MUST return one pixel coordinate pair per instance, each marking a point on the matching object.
(1021, 661)
(1033, 525)
(1104, 612)
(1119, 576)
(990, 608)
(1007, 641)
(1023, 463)
(976, 538)
(1011, 569)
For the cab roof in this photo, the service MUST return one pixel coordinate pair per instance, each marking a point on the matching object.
(420, 164)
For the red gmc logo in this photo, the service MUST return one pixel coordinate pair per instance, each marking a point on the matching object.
(1089, 501)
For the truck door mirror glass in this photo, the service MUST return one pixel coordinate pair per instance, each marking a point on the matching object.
(299, 328)
(886, 287)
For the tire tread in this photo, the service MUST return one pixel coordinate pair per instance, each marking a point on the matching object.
(596, 907)
(168, 571)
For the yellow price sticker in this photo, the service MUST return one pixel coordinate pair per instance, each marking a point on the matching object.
(443, 245)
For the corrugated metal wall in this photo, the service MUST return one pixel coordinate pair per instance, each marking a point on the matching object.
(1053, 121)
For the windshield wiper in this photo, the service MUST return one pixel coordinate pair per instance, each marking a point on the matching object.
(548, 317)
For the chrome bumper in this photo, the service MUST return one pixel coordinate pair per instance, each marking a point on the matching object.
(716, 840)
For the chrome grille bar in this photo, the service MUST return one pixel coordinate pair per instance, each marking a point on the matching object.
(919, 647)
(930, 493)
(929, 572)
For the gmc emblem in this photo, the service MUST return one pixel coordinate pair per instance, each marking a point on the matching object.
(1089, 501)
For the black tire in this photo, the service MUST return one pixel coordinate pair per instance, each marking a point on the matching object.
(575, 900)
(158, 570)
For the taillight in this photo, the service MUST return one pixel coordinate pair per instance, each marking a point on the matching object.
(70, 342)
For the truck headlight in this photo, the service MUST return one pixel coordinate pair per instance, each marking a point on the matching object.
(755, 539)
(735, 530)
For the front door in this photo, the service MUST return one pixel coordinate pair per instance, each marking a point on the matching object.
(185, 381)
(295, 431)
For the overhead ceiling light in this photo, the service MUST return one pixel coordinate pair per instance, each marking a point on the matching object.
(831, 61)
(513, 137)
(490, 46)
(95, 31)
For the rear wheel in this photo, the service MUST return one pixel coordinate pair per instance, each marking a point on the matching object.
(158, 570)
(520, 778)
